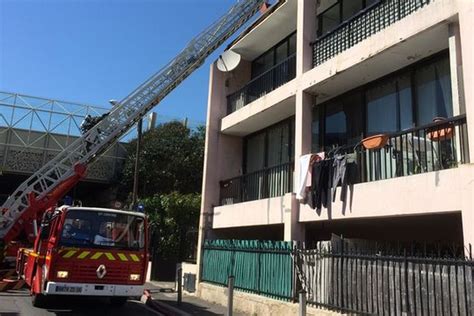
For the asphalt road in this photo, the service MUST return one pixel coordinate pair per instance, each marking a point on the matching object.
(14, 303)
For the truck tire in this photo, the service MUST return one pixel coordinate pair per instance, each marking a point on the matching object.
(118, 300)
(38, 300)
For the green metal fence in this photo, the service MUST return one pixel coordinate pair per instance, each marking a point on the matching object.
(261, 267)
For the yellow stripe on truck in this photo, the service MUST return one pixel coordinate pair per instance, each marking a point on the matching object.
(83, 254)
(94, 255)
(70, 253)
(97, 255)
(110, 256)
(122, 257)
(134, 257)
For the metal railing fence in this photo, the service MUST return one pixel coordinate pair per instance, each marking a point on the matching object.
(268, 81)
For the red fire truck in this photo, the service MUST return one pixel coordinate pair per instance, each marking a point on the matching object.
(87, 251)
(91, 251)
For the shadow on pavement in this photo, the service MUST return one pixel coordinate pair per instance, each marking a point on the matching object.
(190, 308)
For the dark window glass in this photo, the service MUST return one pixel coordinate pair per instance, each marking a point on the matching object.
(281, 52)
(330, 19)
(406, 104)
(262, 64)
(342, 11)
(102, 229)
(343, 121)
(255, 159)
(274, 56)
(433, 91)
(389, 103)
(315, 126)
(350, 8)
(271, 147)
(292, 44)
(382, 108)
(370, 2)
(278, 143)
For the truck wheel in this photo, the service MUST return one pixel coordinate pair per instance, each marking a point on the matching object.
(38, 299)
(118, 300)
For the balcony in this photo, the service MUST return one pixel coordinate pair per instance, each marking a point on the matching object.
(433, 147)
(268, 81)
(367, 22)
(266, 183)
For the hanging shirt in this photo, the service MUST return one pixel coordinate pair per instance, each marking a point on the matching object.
(304, 177)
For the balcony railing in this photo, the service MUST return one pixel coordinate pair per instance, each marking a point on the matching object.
(263, 84)
(433, 147)
(361, 26)
(266, 183)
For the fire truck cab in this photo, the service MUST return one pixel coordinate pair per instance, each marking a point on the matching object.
(87, 251)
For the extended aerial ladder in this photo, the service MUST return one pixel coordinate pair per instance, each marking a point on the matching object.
(51, 182)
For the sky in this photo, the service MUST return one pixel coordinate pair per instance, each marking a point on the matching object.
(91, 51)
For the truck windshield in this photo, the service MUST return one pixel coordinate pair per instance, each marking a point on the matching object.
(103, 230)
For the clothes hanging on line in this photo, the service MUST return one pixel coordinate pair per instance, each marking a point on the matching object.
(345, 173)
(321, 184)
(327, 174)
(305, 172)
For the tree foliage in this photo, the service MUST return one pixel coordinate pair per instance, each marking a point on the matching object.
(171, 160)
(169, 177)
(173, 220)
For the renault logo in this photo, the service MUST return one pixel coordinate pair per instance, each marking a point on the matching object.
(101, 271)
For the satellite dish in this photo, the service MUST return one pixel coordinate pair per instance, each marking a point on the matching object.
(228, 61)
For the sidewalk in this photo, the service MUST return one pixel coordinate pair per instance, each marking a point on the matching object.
(164, 293)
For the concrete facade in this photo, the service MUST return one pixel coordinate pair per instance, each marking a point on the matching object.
(439, 26)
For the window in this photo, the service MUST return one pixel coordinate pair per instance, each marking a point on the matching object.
(274, 56)
(411, 97)
(336, 12)
(351, 8)
(433, 91)
(262, 64)
(343, 121)
(97, 229)
(382, 108)
(316, 129)
(271, 147)
(255, 157)
(330, 19)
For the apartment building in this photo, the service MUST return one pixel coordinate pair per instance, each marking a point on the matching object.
(322, 75)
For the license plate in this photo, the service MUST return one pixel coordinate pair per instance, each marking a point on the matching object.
(69, 289)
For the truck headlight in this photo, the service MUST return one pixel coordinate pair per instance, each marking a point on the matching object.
(62, 274)
(134, 277)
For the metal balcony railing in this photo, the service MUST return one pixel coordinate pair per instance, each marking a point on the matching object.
(268, 81)
(367, 22)
(432, 147)
(266, 183)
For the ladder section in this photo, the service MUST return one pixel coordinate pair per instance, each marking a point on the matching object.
(125, 114)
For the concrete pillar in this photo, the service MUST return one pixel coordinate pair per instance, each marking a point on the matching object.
(210, 184)
(467, 213)
(222, 153)
(293, 229)
(455, 63)
(306, 33)
(466, 25)
(303, 120)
